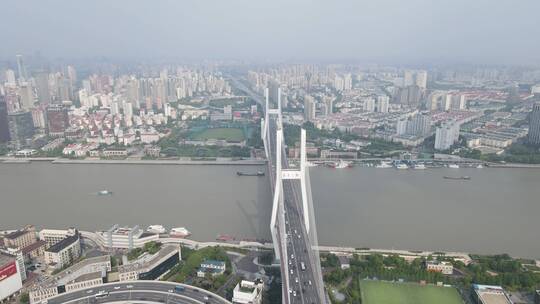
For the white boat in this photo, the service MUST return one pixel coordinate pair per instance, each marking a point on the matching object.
(402, 166)
(179, 232)
(104, 192)
(479, 166)
(311, 164)
(453, 166)
(383, 165)
(419, 167)
(156, 229)
(341, 164)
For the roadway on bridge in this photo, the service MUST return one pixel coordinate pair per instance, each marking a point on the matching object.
(146, 291)
(304, 280)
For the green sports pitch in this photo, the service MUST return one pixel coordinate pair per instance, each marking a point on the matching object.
(228, 134)
(378, 292)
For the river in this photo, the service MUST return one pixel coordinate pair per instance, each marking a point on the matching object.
(496, 211)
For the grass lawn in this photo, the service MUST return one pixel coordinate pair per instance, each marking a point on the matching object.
(377, 292)
(229, 134)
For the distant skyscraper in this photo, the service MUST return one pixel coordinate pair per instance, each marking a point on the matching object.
(4, 126)
(309, 108)
(347, 82)
(446, 135)
(534, 125)
(21, 69)
(26, 96)
(21, 127)
(274, 91)
(421, 79)
(10, 77)
(408, 78)
(329, 105)
(42, 86)
(418, 78)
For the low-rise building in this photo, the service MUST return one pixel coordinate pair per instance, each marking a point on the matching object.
(329, 154)
(34, 250)
(84, 274)
(152, 151)
(247, 292)
(125, 237)
(488, 294)
(64, 252)
(344, 261)
(21, 238)
(440, 266)
(53, 236)
(115, 153)
(151, 267)
(212, 267)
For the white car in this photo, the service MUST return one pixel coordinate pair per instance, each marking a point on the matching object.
(129, 286)
(170, 290)
(116, 287)
(90, 291)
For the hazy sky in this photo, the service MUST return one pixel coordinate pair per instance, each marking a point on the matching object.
(399, 31)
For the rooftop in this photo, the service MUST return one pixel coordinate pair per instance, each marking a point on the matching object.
(214, 263)
(5, 258)
(63, 243)
(489, 294)
(33, 246)
(16, 234)
(88, 277)
(149, 261)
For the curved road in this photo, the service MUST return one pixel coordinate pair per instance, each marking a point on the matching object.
(140, 291)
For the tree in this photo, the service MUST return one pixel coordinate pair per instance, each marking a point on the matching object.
(25, 298)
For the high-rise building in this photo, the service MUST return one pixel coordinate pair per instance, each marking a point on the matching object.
(369, 104)
(418, 78)
(4, 125)
(347, 82)
(401, 127)
(329, 105)
(410, 95)
(534, 125)
(408, 78)
(42, 86)
(274, 92)
(38, 117)
(57, 120)
(21, 127)
(339, 83)
(26, 95)
(419, 125)
(309, 108)
(446, 135)
(421, 79)
(21, 69)
(10, 78)
(383, 102)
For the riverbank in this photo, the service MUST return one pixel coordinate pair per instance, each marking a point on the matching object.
(219, 161)
(407, 254)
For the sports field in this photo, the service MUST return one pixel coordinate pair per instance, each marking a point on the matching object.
(378, 292)
(229, 134)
